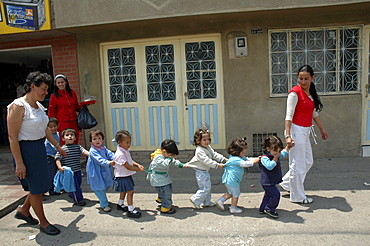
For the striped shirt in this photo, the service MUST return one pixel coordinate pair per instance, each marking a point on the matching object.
(74, 152)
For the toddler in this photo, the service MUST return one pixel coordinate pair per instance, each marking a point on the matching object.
(271, 175)
(98, 168)
(124, 168)
(158, 176)
(51, 151)
(204, 159)
(233, 174)
(72, 160)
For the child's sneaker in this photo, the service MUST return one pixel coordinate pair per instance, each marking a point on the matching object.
(194, 204)
(158, 200)
(209, 205)
(235, 210)
(133, 214)
(169, 210)
(107, 209)
(272, 214)
(220, 204)
(122, 207)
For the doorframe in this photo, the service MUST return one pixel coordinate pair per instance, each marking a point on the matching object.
(365, 133)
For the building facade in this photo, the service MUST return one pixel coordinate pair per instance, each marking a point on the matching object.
(161, 69)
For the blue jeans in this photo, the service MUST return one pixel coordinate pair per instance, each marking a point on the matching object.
(165, 194)
(203, 195)
(102, 196)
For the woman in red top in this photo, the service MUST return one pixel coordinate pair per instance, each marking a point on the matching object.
(303, 105)
(64, 104)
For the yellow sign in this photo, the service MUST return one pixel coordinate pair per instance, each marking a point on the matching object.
(24, 16)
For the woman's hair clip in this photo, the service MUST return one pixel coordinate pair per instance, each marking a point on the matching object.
(244, 139)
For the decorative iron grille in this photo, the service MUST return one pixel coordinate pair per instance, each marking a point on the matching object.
(160, 72)
(333, 53)
(122, 75)
(201, 70)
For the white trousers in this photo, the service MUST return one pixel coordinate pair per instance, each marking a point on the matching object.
(300, 162)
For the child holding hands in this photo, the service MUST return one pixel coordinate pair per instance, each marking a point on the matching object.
(72, 160)
(204, 159)
(271, 175)
(233, 174)
(98, 168)
(124, 168)
(158, 176)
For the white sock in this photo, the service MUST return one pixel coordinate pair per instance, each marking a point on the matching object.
(131, 208)
(120, 202)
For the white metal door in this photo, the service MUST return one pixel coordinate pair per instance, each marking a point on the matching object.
(163, 88)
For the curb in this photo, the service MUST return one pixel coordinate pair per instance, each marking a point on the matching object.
(11, 207)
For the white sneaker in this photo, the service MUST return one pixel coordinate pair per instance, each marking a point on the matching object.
(367, 184)
(220, 204)
(235, 210)
(107, 209)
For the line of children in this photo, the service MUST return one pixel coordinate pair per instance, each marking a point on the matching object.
(158, 176)
(72, 160)
(101, 159)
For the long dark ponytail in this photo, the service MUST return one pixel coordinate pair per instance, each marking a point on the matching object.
(313, 92)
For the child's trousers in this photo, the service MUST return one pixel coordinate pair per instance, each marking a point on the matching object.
(203, 195)
(165, 194)
(77, 195)
(271, 198)
(102, 196)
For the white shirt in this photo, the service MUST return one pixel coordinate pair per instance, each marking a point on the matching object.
(121, 157)
(34, 121)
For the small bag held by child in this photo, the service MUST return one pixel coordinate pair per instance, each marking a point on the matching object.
(85, 119)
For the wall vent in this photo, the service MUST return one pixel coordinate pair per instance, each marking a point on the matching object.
(258, 139)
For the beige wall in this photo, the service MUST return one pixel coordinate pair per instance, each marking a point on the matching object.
(72, 13)
(248, 106)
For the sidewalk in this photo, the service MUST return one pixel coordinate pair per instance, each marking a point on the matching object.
(339, 214)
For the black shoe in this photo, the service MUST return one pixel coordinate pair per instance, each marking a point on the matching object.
(262, 212)
(122, 207)
(50, 230)
(171, 211)
(29, 219)
(272, 214)
(133, 214)
(81, 203)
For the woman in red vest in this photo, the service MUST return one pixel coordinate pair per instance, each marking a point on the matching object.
(64, 104)
(303, 105)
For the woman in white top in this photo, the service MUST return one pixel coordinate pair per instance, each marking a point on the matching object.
(27, 128)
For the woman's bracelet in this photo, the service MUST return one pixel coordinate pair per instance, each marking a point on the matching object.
(56, 146)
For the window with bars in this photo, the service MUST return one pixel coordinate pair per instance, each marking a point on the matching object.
(258, 139)
(333, 53)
